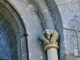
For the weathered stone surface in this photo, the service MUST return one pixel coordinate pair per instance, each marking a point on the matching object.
(51, 5)
(46, 16)
(74, 6)
(69, 38)
(74, 1)
(32, 22)
(70, 18)
(59, 2)
(70, 57)
(36, 49)
(77, 58)
(19, 4)
(78, 37)
(63, 2)
(69, 10)
(34, 30)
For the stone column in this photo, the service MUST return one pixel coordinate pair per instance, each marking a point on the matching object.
(50, 37)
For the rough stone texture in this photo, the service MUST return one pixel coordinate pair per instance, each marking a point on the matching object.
(77, 58)
(70, 12)
(46, 16)
(63, 2)
(34, 31)
(74, 6)
(51, 5)
(67, 23)
(69, 38)
(78, 37)
(70, 21)
(14, 20)
(33, 28)
(70, 57)
(19, 4)
(74, 1)
(58, 2)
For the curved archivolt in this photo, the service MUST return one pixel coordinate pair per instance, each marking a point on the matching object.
(44, 14)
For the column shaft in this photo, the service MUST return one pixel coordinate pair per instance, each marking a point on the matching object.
(52, 54)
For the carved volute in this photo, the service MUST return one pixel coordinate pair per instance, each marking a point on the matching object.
(50, 37)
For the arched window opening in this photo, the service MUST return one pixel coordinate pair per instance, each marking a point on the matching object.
(11, 34)
(8, 44)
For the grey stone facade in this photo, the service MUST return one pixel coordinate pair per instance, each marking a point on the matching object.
(38, 15)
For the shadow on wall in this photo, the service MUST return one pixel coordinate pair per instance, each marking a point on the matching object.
(58, 26)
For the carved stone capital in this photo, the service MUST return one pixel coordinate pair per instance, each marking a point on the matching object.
(50, 37)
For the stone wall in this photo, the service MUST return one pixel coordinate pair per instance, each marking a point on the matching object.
(70, 14)
(65, 15)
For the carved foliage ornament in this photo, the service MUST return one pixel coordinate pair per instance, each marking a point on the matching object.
(49, 37)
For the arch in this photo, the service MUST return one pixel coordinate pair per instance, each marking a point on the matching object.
(34, 33)
(57, 20)
(17, 26)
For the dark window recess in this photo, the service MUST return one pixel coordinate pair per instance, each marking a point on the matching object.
(8, 44)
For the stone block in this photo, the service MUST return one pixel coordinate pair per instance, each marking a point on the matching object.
(68, 57)
(19, 4)
(63, 2)
(59, 2)
(69, 38)
(74, 1)
(70, 18)
(74, 6)
(78, 37)
(32, 22)
(77, 58)
(41, 5)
